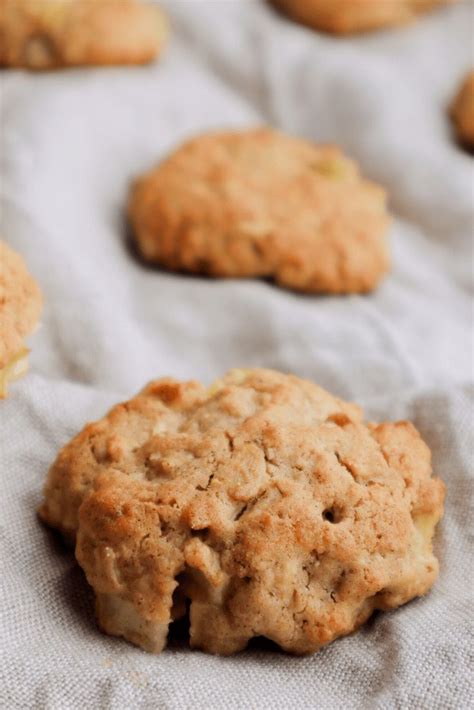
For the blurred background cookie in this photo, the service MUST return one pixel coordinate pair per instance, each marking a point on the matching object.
(263, 501)
(350, 16)
(50, 34)
(20, 308)
(462, 112)
(260, 203)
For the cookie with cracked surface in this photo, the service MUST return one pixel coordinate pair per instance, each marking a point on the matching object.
(263, 500)
(462, 112)
(20, 308)
(260, 203)
(351, 16)
(52, 34)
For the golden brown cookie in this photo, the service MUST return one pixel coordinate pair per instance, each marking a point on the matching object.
(264, 501)
(50, 34)
(261, 203)
(462, 111)
(350, 16)
(20, 308)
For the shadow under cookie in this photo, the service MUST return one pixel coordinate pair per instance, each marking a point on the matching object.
(347, 17)
(462, 114)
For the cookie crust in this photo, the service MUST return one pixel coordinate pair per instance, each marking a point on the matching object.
(263, 500)
(260, 203)
(462, 112)
(52, 34)
(20, 308)
(352, 16)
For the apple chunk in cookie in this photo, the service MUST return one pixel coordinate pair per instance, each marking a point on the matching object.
(20, 308)
(264, 501)
(344, 17)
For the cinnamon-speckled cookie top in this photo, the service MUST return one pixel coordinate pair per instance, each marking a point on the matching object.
(264, 501)
(462, 111)
(261, 203)
(50, 34)
(20, 307)
(350, 16)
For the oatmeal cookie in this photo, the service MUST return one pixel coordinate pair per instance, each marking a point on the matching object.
(20, 308)
(260, 203)
(264, 502)
(351, 16)
(50, 34)
(462, 112)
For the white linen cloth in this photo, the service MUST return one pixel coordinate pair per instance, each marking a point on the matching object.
(70, 142)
